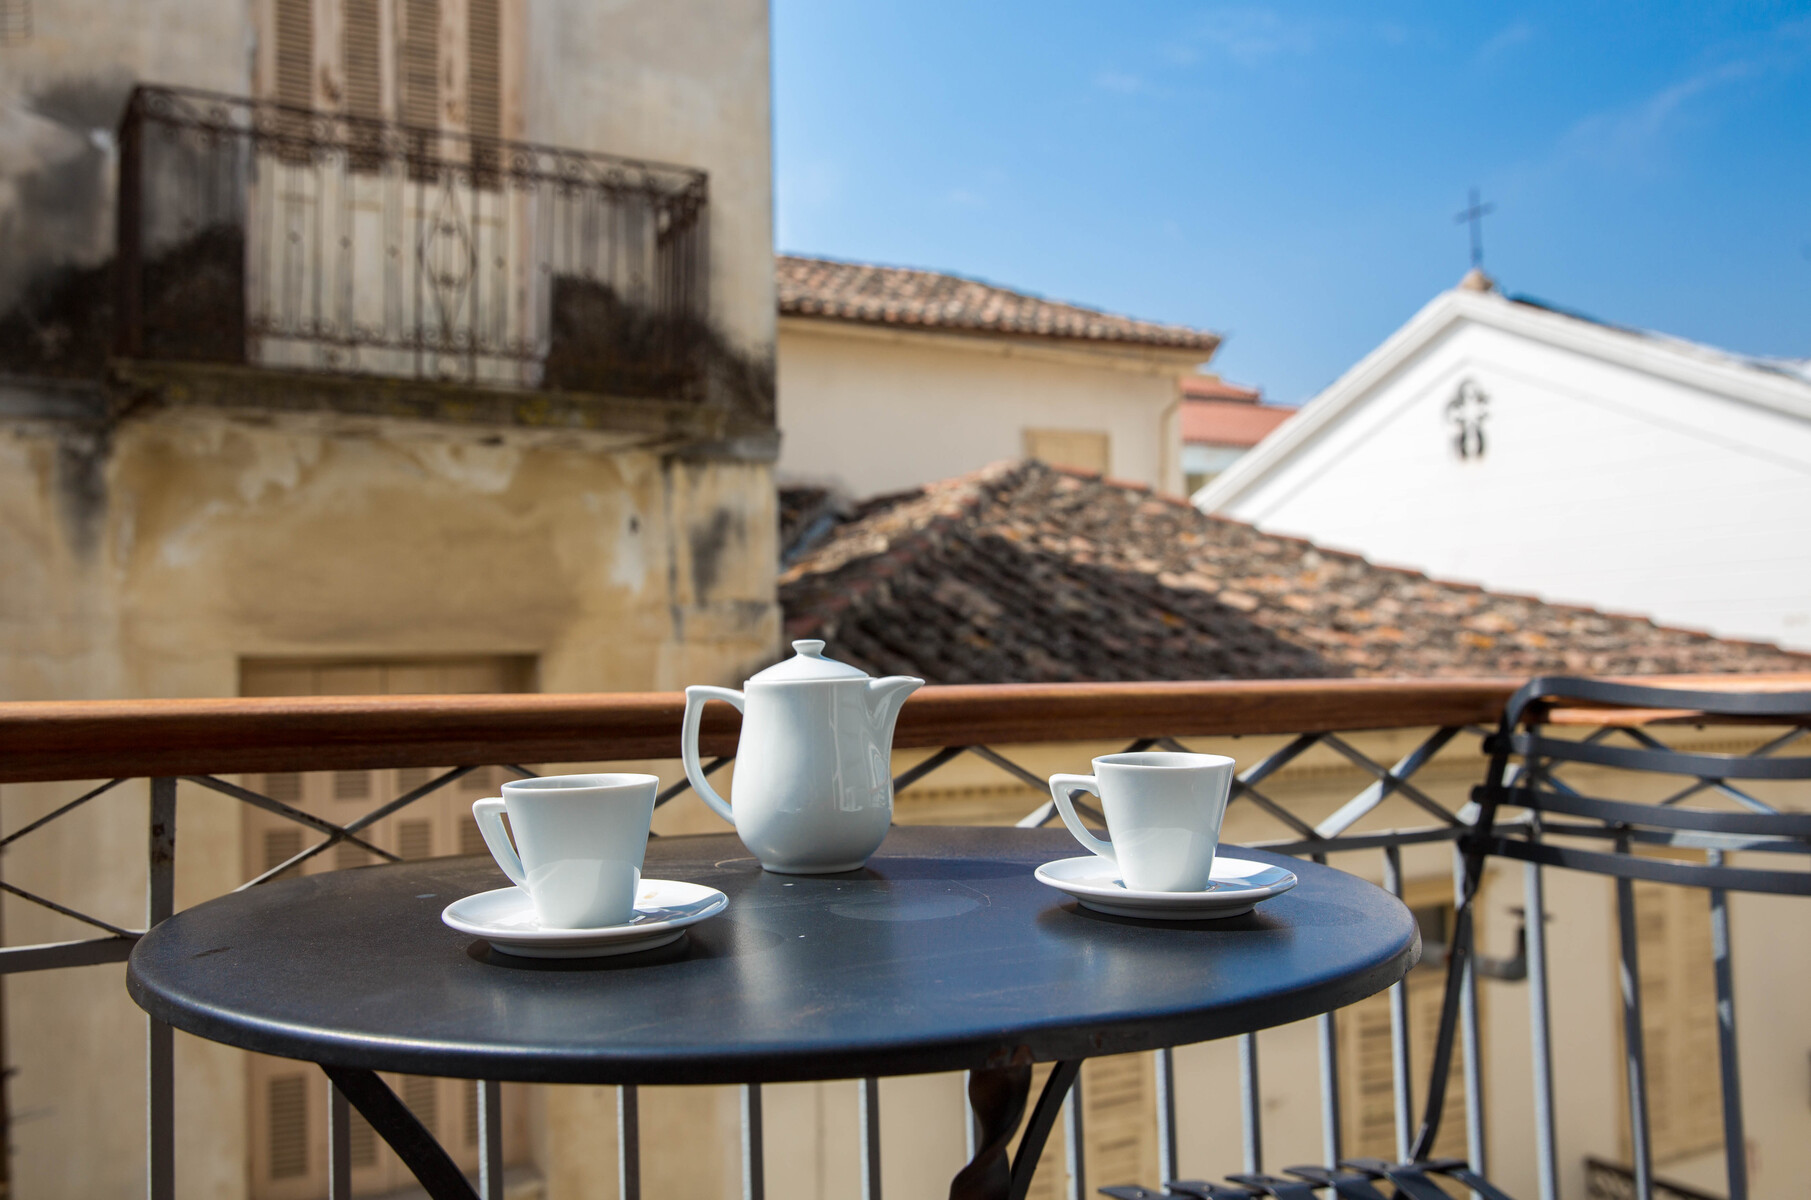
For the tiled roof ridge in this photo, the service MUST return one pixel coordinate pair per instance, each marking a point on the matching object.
(916, 297)
(976, 488)
(1352, 556)
(969, 492)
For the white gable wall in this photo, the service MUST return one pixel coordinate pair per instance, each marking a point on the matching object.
(1601, 484)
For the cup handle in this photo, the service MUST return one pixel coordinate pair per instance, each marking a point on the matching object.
(695, 698)
(1060, 787)
(489, 815)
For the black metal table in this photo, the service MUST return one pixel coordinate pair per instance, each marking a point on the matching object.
(943, 954)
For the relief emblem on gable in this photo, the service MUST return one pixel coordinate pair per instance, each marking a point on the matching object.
(1466, 412)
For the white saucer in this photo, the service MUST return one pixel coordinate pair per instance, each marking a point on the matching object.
(506, 918)
(1236, 885)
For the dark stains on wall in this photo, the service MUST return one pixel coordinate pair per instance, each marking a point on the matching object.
(709, 540)
(604, 345)
(61, 214)
(61, 324)
(83, 450)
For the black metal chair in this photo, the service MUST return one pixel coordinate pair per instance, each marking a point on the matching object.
(1516, 813)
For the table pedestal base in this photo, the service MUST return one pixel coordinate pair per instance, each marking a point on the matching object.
(998, 1097)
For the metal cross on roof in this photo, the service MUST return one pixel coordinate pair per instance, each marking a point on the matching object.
(1475, 213)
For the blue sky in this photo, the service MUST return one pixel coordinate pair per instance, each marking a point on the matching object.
(1288, 174)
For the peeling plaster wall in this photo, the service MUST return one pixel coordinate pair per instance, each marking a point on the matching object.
(222, 538)
(217, 539)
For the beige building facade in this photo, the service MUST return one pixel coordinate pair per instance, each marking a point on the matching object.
(890, 378)
(353, 346)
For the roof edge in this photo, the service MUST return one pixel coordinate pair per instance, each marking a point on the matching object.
(1651, 354)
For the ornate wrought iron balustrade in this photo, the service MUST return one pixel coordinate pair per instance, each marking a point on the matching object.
(253, 233)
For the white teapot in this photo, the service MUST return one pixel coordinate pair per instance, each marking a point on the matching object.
(814, 768)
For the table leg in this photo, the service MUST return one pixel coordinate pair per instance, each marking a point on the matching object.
(397, 1126)
(998, 1096)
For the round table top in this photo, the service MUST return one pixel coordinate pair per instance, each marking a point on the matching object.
(943, 954)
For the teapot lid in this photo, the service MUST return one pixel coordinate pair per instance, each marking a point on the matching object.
(807, 664)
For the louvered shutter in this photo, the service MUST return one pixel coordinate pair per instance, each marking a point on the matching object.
(1678, 1022)
(484, 72)
(1367, 1054)
(294, 52)
(1119, 1118)
(419, 62)
(361, 58)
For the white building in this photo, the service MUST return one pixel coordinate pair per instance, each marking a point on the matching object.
(890, 378)
(1498, 441)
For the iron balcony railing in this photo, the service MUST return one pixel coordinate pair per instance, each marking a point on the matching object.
(189, 745)
(254, 233)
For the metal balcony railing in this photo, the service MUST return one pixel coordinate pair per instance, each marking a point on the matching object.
(253, 233)
(190, 744)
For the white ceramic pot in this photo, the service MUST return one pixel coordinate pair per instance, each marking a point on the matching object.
(814, 782)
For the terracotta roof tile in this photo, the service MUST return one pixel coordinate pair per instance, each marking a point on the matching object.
(1022, 573)
(822, 287)
(1210, 387)
(1230, 422)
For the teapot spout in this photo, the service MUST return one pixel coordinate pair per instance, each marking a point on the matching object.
(885, 697)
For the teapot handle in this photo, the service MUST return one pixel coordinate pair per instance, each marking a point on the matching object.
(695, 698)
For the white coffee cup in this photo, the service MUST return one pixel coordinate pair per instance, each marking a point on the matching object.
(1163, 813)
(581, 840)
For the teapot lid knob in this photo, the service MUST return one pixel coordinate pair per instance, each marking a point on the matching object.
(809, 647)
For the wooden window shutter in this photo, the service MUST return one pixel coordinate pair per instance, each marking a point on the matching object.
(1119, 1123)
(1367, 1052)
(286, 787)
(1678, 1022)
(484, 78)
(287, 1096)
(1084, 449)
(361, 57)
(1119, 1118)
(421, 1093)
(420, 63)
(15, 22)
(294, 45)
(361, 1141)
(281, 845)
(414, 839)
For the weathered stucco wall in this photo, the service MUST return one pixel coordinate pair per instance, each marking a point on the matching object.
(873, 411)
(197, 541)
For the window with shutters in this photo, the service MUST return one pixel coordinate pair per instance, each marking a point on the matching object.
(288, 1112)
(437, 67)
(15, 22)
(1085, 449)
(352, 785)
(288, 1126)
(1678, 1022)
(1119, 1126)
(1367, 1052)
(414, 839)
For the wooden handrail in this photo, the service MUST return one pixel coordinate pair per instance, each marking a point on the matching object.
(101, 739)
